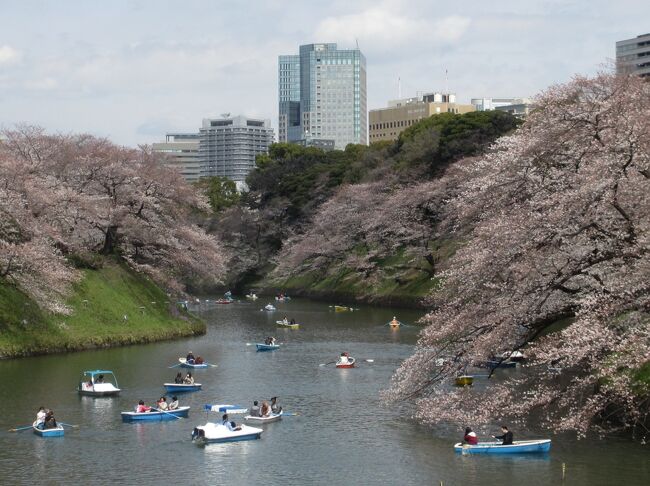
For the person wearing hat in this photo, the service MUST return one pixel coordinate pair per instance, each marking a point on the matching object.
(189, 358)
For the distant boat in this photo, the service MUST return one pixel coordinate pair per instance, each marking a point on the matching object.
(515, 356)
(55, 432)
(269, 307)
(98, 383)
(517, 447)
(464, 380)
(251, 296)
(341, 308)
(345, 362)
(155, 415)
(185, 364)
(267, 347)
(287, 324)
(181, 387)
(223, 301)
(274, 417)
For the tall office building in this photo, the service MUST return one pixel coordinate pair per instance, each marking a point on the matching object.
(228, 145)
(633, 56)
(181, 151)
(322, 95)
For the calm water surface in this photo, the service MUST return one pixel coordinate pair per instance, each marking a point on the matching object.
(342, 435)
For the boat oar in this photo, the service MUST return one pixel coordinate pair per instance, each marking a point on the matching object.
(325, 364)
(290, 414)
(18, 429)
(165, 411)
(175, 366)
(67, 425)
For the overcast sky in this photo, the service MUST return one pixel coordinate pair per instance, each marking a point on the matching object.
(133, 70)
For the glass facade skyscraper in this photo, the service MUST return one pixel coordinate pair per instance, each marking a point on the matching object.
(322, 95)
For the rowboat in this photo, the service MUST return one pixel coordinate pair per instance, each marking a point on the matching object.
(348, 362)
(517, 447)
(267, 347)
(287, 324)
(181, 387)
(341, 308)
(464, 380)
(223, 301)
(98, 383)
(269, 307)
(215, 433)
(251, 296)
(274, 417)
(185, 364)
(394, 323)
(55, 432)
(155, 415)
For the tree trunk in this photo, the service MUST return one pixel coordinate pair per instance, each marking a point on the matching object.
(110, 240)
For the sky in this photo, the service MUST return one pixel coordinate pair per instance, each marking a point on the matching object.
(132, 70)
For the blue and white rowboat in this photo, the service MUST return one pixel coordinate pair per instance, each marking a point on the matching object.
(155, 415)
(517, 447)
(181, 387)
(224, 408)
(267, 347)
(56, 432)
(185, 364)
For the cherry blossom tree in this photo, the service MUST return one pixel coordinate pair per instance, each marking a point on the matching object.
(554, 223)
(82, 194)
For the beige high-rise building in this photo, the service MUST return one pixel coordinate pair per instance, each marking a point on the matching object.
(181, 152)
(387, 123)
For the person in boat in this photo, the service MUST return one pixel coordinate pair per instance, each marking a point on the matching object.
(173, 405)
(275, 408)
(50, 421)
(506, 436)
(394, 322)
(343, 359)
(179, 378)
(232, 426)
(40, 418)
(293, 321)
(272, 341)
(266, 409)
(162, 404)
(142, 408)
(285, 320)
(470, 437)
(255, 410)
(100, 379)
(189, 379)
(199, 360)
(189, 358)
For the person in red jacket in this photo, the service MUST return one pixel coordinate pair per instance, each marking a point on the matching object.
(470, 437)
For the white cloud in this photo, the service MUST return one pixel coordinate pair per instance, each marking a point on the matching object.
(381, 28)
(8, 55)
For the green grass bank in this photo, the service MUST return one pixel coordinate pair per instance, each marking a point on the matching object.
(100, 302)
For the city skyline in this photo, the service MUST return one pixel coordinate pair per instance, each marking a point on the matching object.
(135, 70)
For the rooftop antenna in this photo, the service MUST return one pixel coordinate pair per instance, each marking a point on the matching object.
(225, 115)
(447, 84)
(357, 41)
(399, 88)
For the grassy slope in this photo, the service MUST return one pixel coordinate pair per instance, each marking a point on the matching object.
(99, 302)
(398, 280)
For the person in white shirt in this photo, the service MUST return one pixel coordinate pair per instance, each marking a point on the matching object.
(174, 403)
(40, 417)
(162, 404)
(232, 426)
